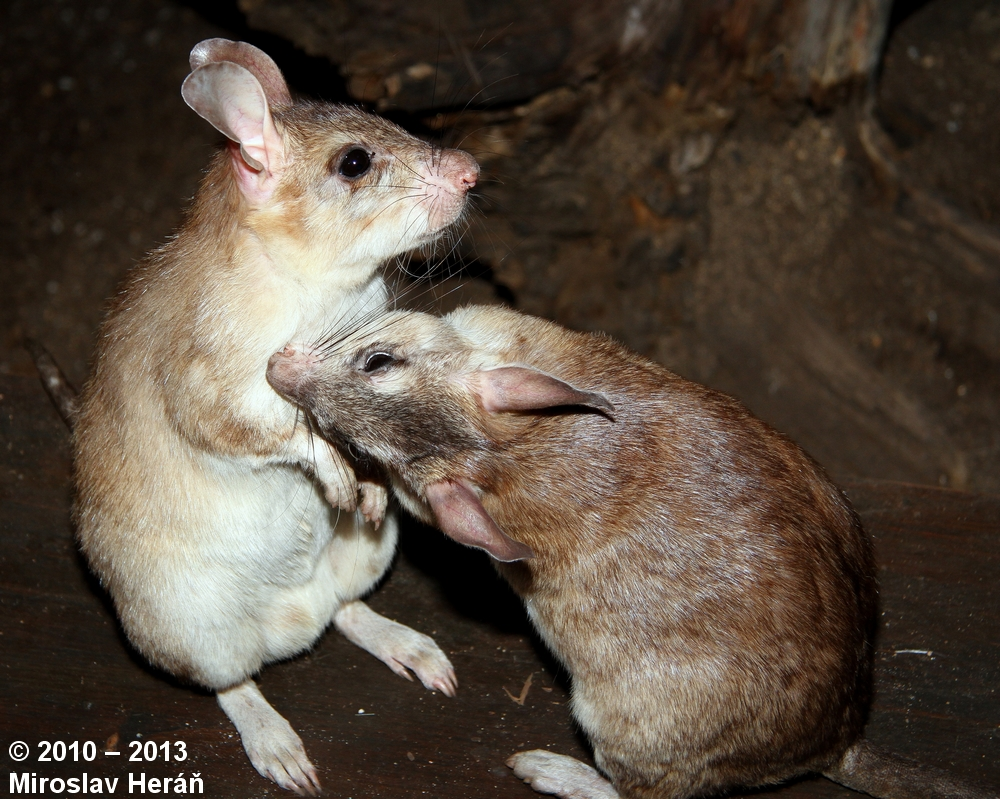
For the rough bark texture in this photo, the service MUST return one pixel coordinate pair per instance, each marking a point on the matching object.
(838, 271)
(448, 53)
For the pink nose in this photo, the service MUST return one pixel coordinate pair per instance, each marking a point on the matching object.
(460, 168)
(469, 177)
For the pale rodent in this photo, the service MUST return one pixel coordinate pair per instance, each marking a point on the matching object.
(711, 592)
(226, 534)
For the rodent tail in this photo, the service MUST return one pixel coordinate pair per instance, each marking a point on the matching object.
(62, 394)
(878, 772)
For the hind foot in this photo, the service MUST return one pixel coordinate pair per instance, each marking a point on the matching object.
(270, 742)
(561, 775)
(403, 650)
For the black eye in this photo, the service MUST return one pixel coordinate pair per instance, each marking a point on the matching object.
(355, 163)
(378, 361)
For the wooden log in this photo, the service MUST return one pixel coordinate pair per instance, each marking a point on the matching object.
(832, 44)
(429, 54)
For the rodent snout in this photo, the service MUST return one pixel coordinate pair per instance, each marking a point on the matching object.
(459, 169)
(469, 177)
(447, 181)
(288, 370)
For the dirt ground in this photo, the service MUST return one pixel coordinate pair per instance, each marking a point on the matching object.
(749, 245)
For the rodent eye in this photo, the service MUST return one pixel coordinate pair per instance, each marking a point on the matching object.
(379, 361)
(355, 163)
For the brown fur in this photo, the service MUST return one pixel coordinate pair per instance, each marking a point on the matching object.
(709, 589)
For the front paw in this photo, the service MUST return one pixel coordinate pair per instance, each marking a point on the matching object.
(327, 466)
(342, 491)
(374, 499)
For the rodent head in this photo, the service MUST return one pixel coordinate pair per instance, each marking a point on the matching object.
(361, 187)
(320, 183)
(410, 392)
(389, 390)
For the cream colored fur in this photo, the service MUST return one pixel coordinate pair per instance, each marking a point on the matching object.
(227, 535)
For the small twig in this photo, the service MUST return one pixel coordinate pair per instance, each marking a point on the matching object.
(62, 394)
(929, 653)
(524, 690)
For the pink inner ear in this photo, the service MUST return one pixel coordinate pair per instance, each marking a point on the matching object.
(522, 388)
(231, 98)
(462, 517)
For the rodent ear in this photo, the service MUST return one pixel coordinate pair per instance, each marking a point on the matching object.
(462, 517)
(229, 97)
(249, 57)
(521, 388)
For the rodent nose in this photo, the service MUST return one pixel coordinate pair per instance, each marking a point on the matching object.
(289, 372)
(470, 176)
(461, 169)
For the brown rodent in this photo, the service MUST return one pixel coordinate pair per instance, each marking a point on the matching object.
(710, 591)
(225, 533)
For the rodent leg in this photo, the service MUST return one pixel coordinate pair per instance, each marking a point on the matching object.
(564, 776)
(324, 461)
(403, 650)
(274, 748)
